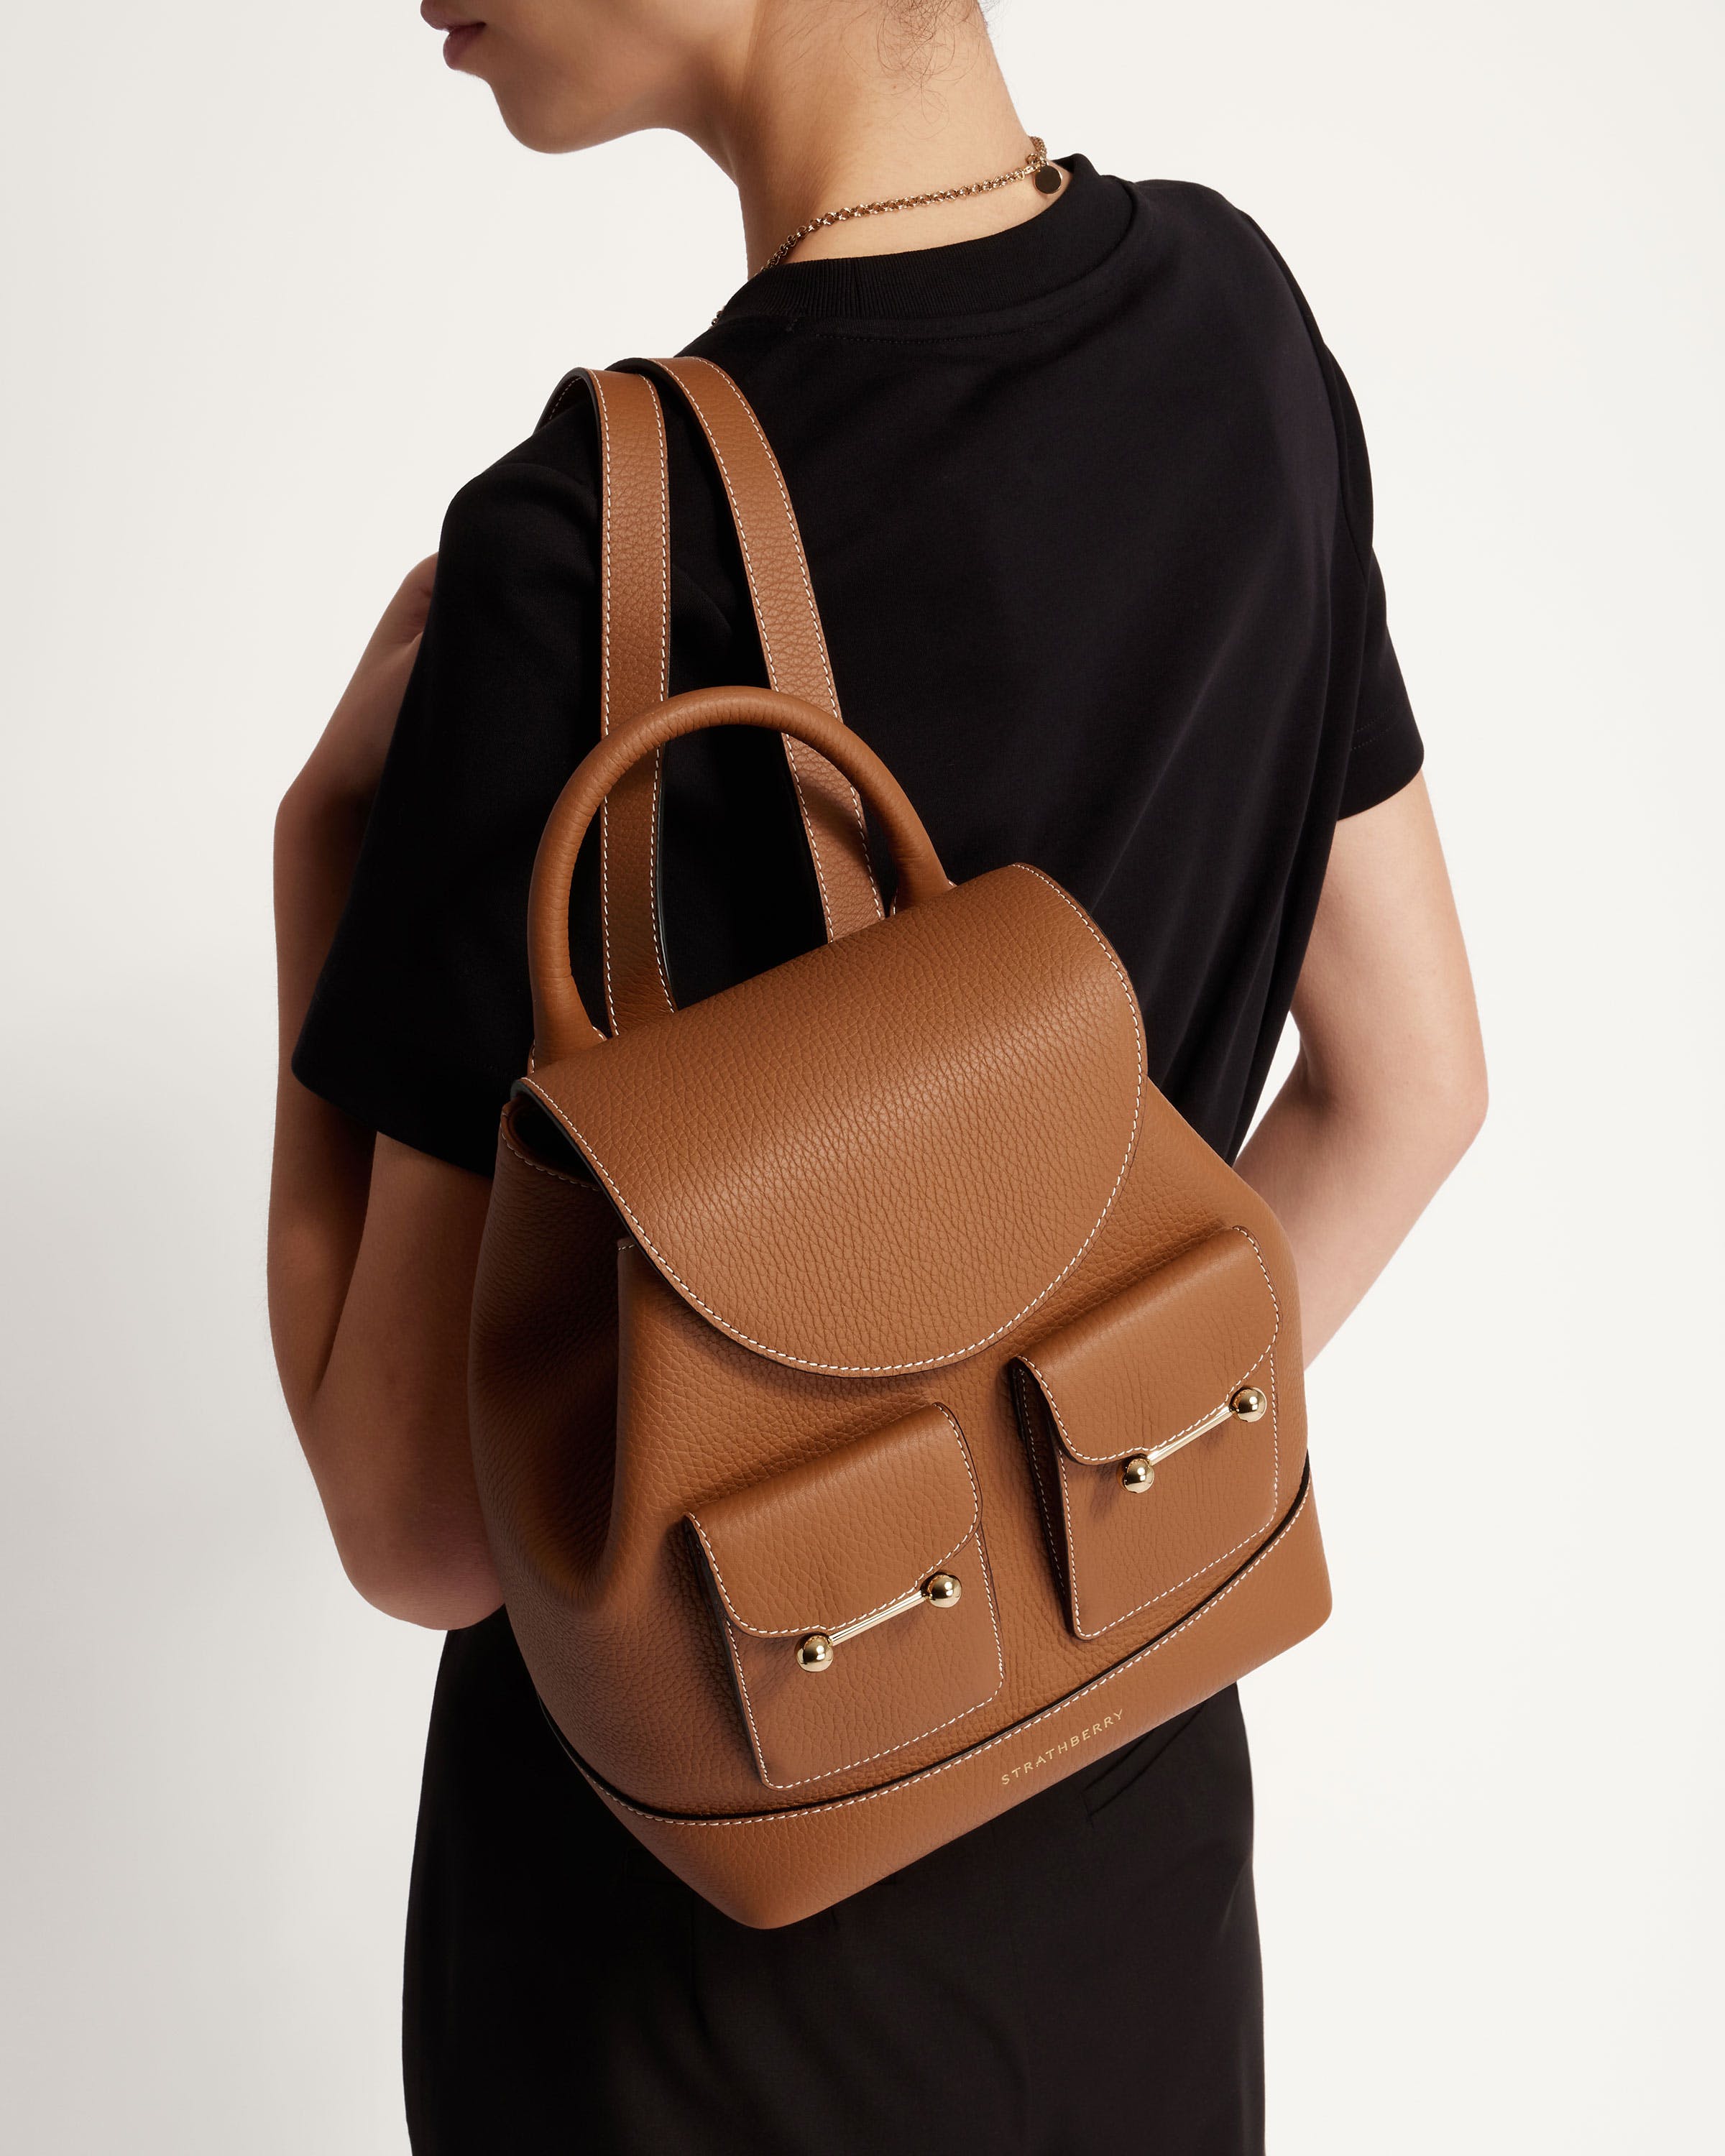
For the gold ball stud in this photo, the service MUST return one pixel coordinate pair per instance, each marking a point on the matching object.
(941, 1590)
(1249, 1404)
(1138, 1474)
(815, 1652)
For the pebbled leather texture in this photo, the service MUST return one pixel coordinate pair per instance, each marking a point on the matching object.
(837, 1541)
(635, 660)
(635, 631)
(792, 642)
(793, 1861)
(1145, 1369)
(1155, 1362)
(879, 1263)
(561, 1025)
(880, 1121)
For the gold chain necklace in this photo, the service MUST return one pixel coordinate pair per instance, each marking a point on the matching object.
(1036, 166)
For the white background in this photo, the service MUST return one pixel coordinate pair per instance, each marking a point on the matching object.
(276, 286)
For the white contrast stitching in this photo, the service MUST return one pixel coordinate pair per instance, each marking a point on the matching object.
(539, 1167)
(827, 1773)
(820, 878)
(974, 1751)
(599, 404)
(833, 1624)
(748, 565)
(663, 685)
(1107, 1459)
(748, 1711)
(1162, 1594)
(820, 644)
(820, 641)
(929, 1361)
(1020, 1386)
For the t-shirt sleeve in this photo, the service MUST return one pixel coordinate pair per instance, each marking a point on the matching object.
(1385, 751)
(422, 1018)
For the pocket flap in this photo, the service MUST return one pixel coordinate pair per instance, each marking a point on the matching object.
(1164, 1358)
(827, 1544)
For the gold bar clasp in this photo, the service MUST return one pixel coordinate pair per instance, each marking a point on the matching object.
(1247, 1405)
(941, 1591)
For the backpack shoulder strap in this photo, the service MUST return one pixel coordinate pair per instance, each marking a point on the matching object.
(634, 659)
(792, 642)
(634, 635)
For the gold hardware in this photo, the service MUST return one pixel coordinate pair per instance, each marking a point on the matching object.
(941, 1591)
(1248, 1404)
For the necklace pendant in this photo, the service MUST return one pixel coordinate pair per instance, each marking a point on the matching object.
(1048, 180)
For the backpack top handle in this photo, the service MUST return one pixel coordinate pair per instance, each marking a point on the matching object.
(560, 1023)
(635, 636)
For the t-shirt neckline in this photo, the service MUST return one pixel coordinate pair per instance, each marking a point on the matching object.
(1074, 235)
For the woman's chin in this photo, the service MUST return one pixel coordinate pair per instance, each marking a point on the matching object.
(530, 128)
(554, 132)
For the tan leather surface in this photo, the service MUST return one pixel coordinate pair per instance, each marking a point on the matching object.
(634, 632)
(792, 642)
(634, 657)
(928, 1673)
(835, 1163)
(836, 1541)
(1141, 1371)
(833, 1540)
(560, 1024)
(623, 1643)
(777, 1867)
(782, 1237)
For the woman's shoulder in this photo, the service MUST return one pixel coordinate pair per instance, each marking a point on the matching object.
(536, 506)
(1248, 328)
(1221, 246)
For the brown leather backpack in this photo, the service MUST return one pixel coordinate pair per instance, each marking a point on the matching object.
(883, 1403)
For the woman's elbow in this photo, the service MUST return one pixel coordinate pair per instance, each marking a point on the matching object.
(1468, 1094)
(1472, 1104)
(418, 1587)
(435, 1574)
(1448, 1100)
(1425, 1100)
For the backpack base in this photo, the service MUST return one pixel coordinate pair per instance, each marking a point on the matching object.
(770, 1868)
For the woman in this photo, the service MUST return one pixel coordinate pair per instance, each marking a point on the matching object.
(1088, 514)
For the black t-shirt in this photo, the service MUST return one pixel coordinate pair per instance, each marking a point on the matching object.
(1089, 519)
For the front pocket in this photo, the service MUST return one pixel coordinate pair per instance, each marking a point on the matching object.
(1150, 1425)
(854, 1595)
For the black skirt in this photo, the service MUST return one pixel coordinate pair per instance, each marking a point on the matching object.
(1078, 1978)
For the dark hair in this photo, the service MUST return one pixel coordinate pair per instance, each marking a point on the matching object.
(909, 30)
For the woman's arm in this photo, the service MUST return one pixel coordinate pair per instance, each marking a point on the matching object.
(1390, 1089)
(373, 1246)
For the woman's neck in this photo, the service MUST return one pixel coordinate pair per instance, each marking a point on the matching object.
(854, 107)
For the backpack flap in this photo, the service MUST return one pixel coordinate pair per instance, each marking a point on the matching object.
(1151, 1423)
(854, 1597)
(884, 1155)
